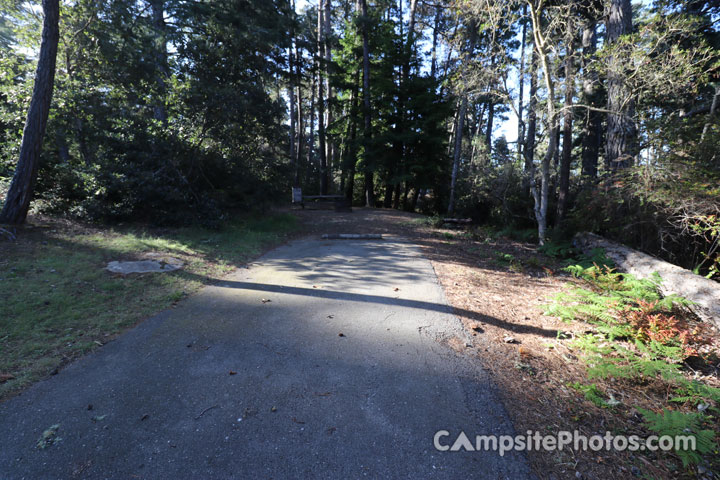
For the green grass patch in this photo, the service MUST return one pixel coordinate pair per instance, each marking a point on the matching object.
(58, 302)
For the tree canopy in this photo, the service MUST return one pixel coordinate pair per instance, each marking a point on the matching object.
(556, 116)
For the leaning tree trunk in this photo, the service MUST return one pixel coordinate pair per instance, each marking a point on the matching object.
(621, 130)
(18, 198)
(711, 115)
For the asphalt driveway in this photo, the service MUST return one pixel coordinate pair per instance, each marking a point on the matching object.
(324, 359)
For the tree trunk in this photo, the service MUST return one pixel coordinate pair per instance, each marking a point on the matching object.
(369, 182)
(521, 88)
(591, 121)
(621, 139)
(396, 196)
(415, 197)
(21, 189)
(321, 101)
(448, 58)
(352, 147)
(489, 127)
(542, 199)
(476, 135)
(436, 27)
(311, 134)
(300, 123)
(162, 70)
(331, 146)
(62, 145)
(711, 115)
(292, 105)
(564, 183)
(456, 153)
(676, 280)
(491, 118)
(387, 200)
(529, 148)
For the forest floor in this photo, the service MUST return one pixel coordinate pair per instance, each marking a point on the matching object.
(499, 288)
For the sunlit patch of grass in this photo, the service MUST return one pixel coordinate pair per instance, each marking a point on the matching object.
(57, 301)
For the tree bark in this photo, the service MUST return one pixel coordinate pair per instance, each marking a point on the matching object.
(542, 197)
(300, 123)
(489, 126)
(529, 148)
(564, 183)
(415, 197)
(456, 153)
(621, 138)
(162, 69)
(521, 88)
(311, 133)
(292, 105)
(331, 146)
(591, 121)
(321, 100)
(476, 136)
(436, 27)
(396, 196)
(369, 181)
(711, 115)
(351, 160)
(18, 198)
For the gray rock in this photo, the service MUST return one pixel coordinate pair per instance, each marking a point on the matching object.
(167, 264)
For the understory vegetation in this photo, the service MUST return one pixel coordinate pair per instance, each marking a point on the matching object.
(636, 335)
(528, 115)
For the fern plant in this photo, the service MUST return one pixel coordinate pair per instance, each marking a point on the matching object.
(592, 393)
(674, 424)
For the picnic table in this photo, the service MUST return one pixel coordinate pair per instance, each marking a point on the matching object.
(340, 202)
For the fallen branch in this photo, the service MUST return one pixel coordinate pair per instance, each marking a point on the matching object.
(11, 236)
(461, 221)
(203, 412)
(352, 236)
